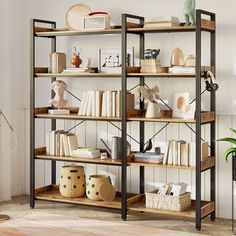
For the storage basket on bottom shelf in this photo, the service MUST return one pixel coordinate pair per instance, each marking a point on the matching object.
(168, 202)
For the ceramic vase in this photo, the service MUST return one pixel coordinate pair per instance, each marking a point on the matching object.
(72, 181)
(177, 58)
(99, 188)
(76, 61)
(153, 111)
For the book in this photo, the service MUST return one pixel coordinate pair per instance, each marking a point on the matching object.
(170, 154)
(58, 62)
(160, 22)
(89, 106)
(165, 160)
(93, 103)
(175, 152)
(58, 111)
(72, 143)
(179, 152)
(65, 143)
(150, 157)
(109, 103)
(86, 153)
(62, 150)
(104, 104)
(82, 103)
(85, 104)
(184, 154)
(179, 69)
(47, 142)
(113, 113)
(98, 95)
(118, 101)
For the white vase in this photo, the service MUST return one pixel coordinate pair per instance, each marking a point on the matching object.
(153, 111)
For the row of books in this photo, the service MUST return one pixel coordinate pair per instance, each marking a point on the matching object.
(160, 22)
(182, 153)
(104, 103)
(61, 143)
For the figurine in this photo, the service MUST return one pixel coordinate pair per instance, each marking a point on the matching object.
(151, 53)
(59, 87)
(189, 12)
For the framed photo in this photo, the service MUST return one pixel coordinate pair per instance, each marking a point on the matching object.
(182, 107)
(110, 60)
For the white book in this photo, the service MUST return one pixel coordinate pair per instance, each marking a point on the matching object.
(93, 103)
(72, 143)
(165, 160)
(89, 107)
(104, 103)
(82, 103)
(109, 103)
(170, 154)
(178, 153)
(98, 98)
(65, 143)
(184, 154)
(47, 142)
(113, 104)
(85, 104)
(62, 150)
(175, 153)
(118, 101)
(52, 143)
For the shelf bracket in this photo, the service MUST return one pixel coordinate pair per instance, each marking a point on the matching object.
(126, 134)
(73, 95)
(134, 87)
(75, 126)
(195, 98)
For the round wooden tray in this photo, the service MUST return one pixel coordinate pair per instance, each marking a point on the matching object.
(75, 16)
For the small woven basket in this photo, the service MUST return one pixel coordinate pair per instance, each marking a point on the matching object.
(168, 202)
(150, 66)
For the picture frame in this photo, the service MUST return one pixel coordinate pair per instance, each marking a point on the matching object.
(182, 107)
(109, 59)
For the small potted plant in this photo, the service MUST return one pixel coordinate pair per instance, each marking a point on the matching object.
(231, 152)
(151, 96)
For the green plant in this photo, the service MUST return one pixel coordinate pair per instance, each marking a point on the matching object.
(231, 150)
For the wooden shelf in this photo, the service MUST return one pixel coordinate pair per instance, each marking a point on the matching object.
(206, 209)
(51, 193)
(77, 75)
(166, 75)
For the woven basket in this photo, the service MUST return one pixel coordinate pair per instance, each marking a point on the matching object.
(168, 202)
(150, 66)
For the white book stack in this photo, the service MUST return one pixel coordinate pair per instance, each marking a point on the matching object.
(61, 143)
(181, 153)
(103, 103)
(161, 22)
(86, 153)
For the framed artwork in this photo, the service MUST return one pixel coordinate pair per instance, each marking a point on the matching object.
(110, 59)
(182, 107)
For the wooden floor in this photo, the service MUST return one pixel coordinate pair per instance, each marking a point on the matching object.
(19, 207)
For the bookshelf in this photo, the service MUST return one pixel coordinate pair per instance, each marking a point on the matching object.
(128, 201)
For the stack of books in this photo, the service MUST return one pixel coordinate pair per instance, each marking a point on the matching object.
(181, 153)
(61, 143)
(57, 62)
(86, 153)
(161, 22)
(78, 70)
(149, 157)
(104, 103)
(181, 69)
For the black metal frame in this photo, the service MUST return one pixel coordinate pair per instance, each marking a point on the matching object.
(124, 34)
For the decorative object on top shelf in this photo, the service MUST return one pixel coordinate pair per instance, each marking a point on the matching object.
(76, 61)
(75, 16)
(177, 58)
(151, 53)
(182, 107)
(57, 62)
(148, 146)
(152, 96)
(169, 197)
(99, 187)
(161, 22)
(59, 87)
(115, 151)
(97, 20)
(72, 181)
(110, 60)
(190, 61)
(210, 81)
(189, 12)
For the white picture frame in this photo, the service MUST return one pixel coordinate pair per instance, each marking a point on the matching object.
(109, 59)
(182, 107)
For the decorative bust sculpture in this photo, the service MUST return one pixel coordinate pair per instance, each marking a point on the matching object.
(189, 12)
(59, 87)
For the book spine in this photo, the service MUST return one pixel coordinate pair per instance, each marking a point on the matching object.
(113, 104)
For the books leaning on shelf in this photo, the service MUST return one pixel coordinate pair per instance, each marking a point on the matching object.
(181, 153)
(61, 143)
(57, 62)
(161, 22)
(86, 153)
(104, 103)
(149, 157)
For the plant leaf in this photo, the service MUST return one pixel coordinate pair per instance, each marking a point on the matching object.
(229, 140)
(233, 130)
(228, 152)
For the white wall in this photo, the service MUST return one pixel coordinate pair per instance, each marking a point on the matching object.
(226, 50)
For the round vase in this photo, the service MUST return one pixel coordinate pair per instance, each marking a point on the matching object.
(99, 188)
(177, 58)
(72, 181)
(153, 111)
(76, 61)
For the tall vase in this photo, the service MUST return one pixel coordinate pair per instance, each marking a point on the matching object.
(153, 111)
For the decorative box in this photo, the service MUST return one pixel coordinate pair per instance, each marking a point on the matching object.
(168, 202)
(97, 22)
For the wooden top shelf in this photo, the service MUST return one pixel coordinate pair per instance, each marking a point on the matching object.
(78, 75)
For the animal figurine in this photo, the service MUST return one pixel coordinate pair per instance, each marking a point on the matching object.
(59, 87)
(189, 12)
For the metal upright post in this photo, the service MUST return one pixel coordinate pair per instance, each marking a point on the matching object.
(198, 119)
(53, 122)
(124, 117)
(213, 108)
(32, 122)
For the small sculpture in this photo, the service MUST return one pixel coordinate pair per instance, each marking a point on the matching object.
(59, 87)
(76, 61)
(151, 53)
(189, 12)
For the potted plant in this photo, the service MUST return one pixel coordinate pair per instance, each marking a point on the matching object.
(231, 152)
(151, 96)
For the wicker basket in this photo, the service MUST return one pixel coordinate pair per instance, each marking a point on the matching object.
(150, 65)
(168, 202)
